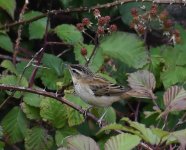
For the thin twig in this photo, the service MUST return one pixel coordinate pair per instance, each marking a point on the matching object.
(137, 111)
(57, 43)
(63, 52)
(96, 45)
(83, 9)
(18, 59)
(40, 55)
(47, 94)
(89, 36)
(19, 31)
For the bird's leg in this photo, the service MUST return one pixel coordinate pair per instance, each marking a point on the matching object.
(101, 118)
(86, 111)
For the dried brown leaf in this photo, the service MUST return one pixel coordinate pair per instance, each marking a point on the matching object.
(142, 83)
(174, 99)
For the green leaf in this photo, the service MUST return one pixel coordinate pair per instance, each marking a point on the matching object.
(31, 112)
(74, 117)
(125, 47)
(63, 133)
(174, 70)
(125, 10)
(160, 134)
(112, 126)
(176, 137)
(171, 76)
(7, 64)
(9, 6)
(54, 72)
(2, 145)
(155, 65)
(107, 77)
(38, 27)
(28, 71)
(13, 80)
(122, 141)
(145, 133)
(37, 139)
(76, 100)
(53, 112)
(71, 3)
(32, 99)
(14, 125)
(48, 76)
(110, 116)
(81, 142)
(69, 34)
(53, 63)
(96, 61)
(5, 41)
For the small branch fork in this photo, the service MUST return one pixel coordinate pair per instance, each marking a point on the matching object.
(83, 9)
(62, 100)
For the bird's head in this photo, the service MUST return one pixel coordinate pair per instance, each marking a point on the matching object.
(79, 71)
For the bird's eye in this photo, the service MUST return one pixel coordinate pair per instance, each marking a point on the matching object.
(74, 71)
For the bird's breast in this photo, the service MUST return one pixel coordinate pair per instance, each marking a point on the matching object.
(87, 95)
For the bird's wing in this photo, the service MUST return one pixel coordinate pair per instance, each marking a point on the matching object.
(102, 87)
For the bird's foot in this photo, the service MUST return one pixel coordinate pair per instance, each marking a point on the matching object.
(86, 112)
(101, 122)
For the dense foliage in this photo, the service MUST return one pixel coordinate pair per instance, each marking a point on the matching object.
(135, 44)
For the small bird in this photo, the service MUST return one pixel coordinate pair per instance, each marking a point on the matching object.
(95, 90)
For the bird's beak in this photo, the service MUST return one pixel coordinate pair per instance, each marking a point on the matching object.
(67, 66)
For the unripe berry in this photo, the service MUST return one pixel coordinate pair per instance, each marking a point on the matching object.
(83, 51)
(100, 30)
(178, 39)
(113, 28)
(86, 22)
(96, 13)
(163, 15)
(132, 25)
(154, 6)
(101, 21)
(176, 33)
(153, 12)
(141, 29)
(107, 19)
(80, 26)
(135, 19)
(168, 23)
(134, 12)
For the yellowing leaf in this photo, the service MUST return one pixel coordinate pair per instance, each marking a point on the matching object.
(122, 141)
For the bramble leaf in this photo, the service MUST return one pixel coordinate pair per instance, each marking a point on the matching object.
(142, 82)
(37, 139)
(122, 141)
(14, 125)
(125, 47)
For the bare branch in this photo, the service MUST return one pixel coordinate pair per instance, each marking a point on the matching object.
(19, 31)
(62, 100)
(83, 9)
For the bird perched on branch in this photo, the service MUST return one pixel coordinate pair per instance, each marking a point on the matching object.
(95, 90)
